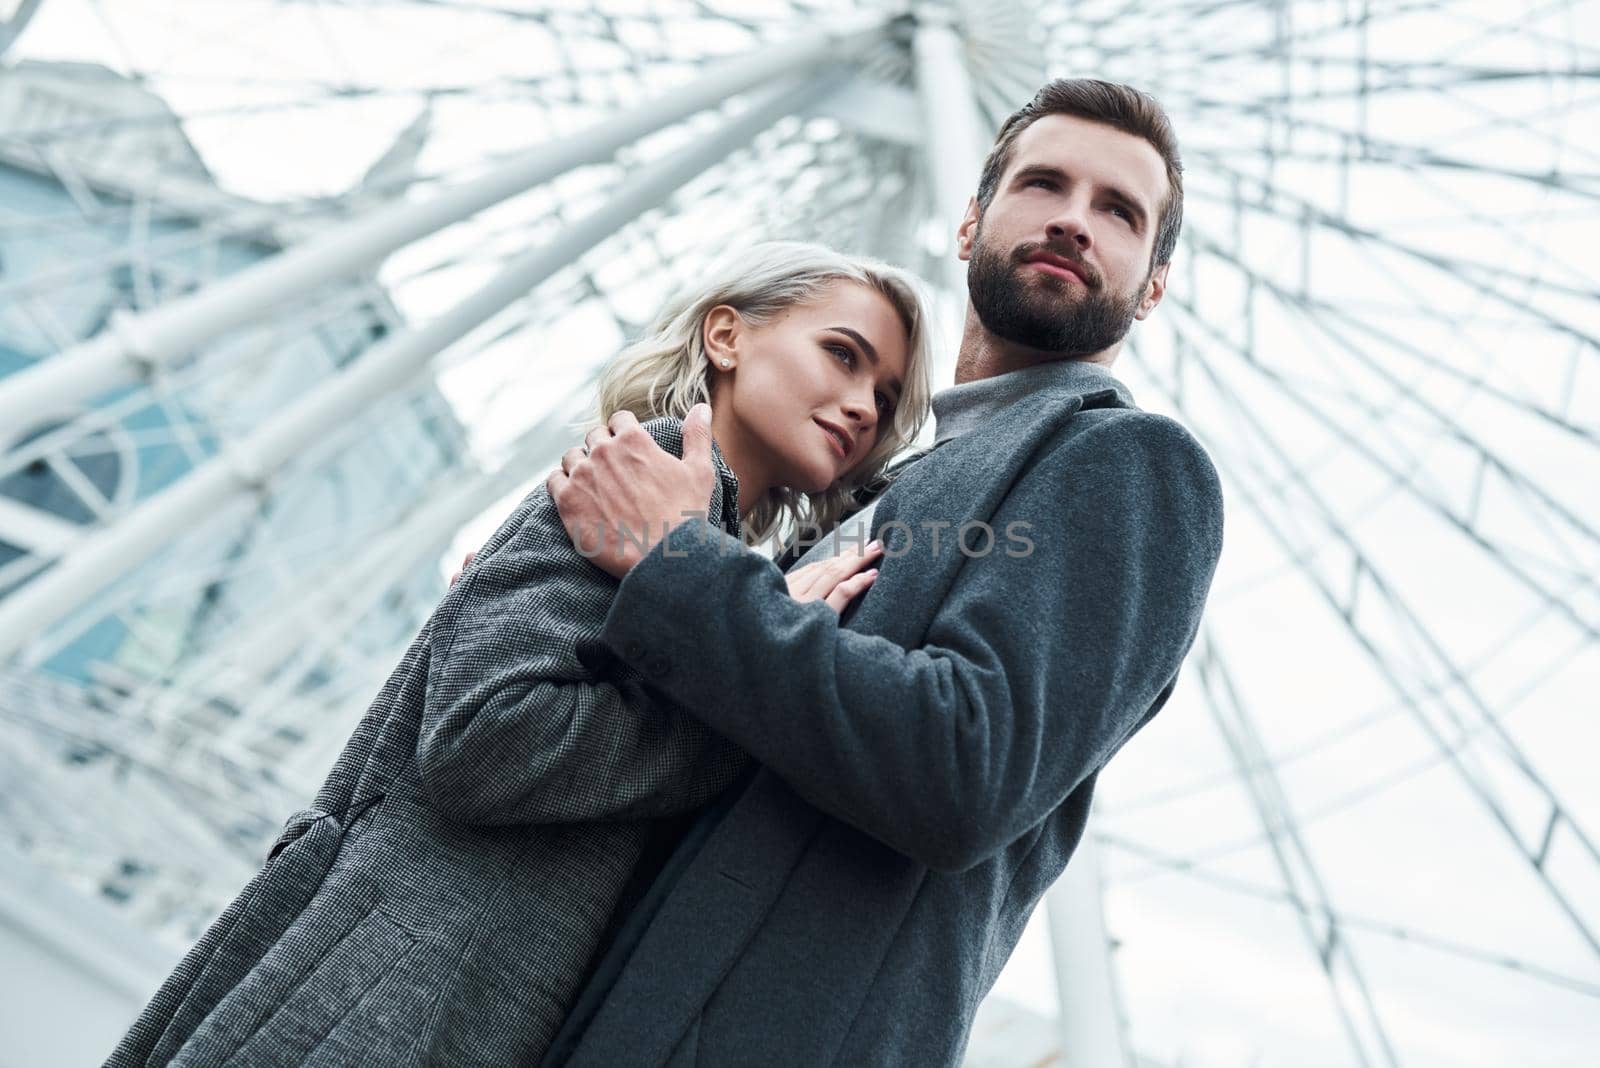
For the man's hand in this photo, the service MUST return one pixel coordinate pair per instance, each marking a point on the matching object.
(620, 493)
(836, 581)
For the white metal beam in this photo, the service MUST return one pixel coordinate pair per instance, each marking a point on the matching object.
(12, 28)
(1091, 1018)
(343, 591)
(1352, 996)
(414, 545)
(242, 466)
(953, 133)
(40, 532)
(876, 109)
(175, 331)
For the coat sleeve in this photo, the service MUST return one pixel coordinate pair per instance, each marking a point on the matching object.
(1033, 672)
(527, 718)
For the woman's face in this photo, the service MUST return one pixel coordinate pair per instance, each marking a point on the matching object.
(810, 390)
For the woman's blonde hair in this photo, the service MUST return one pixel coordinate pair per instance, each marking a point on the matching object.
(665, 372)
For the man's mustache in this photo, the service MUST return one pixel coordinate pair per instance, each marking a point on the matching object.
(1029, 249)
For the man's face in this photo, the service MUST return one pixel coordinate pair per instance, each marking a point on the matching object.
(1060, 260)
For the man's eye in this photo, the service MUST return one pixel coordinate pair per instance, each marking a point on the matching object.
(1044, 182)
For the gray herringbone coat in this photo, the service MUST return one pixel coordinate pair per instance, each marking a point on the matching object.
(438, 902)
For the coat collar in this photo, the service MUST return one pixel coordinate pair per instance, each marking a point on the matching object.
(1015, 398)
(960, 409)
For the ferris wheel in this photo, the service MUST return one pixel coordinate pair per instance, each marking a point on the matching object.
(295, 298)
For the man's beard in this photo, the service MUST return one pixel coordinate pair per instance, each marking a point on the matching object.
(1041, 313)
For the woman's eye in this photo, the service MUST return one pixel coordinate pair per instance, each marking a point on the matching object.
(846, 357)
(883, 403)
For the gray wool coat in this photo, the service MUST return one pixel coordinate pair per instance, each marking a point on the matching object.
(439, 901)
(926, 761)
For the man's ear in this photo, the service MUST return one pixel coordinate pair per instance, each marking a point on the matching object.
(1153, 291)
(968, 230)
(719, 333)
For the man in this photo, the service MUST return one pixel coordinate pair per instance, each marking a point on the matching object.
(927, 758)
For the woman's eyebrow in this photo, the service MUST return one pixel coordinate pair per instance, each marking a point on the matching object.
(866, 347)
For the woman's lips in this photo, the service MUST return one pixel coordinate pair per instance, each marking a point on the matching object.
(838, 445)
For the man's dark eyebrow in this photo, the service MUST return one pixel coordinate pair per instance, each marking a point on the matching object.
(1044, 170)
(866, 347)
(1130, 203)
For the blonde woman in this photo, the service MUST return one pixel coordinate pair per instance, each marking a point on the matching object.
(439, 901)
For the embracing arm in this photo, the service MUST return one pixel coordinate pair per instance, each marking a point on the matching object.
(1035, 670)
(527, 719)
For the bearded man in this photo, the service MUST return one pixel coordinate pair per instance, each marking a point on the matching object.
(926, 759)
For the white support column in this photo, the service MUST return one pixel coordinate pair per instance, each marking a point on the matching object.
(955, 142)
(243, 466)
(1091, 1020)
(174, 332)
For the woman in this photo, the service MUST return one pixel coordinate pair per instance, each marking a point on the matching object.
(439, 901)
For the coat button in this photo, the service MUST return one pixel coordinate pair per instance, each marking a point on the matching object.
(658, 666)
(633, 650)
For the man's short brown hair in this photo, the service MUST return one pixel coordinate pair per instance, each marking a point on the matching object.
(1119, 106)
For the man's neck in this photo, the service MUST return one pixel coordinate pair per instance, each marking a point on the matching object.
(983, 355)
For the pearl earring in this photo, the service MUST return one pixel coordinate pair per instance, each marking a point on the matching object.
(727, 363)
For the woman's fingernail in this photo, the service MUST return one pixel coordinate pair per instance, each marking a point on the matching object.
(874, 545)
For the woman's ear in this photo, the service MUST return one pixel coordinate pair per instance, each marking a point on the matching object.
(720, 334)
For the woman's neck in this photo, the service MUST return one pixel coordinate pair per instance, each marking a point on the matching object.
(741, 455)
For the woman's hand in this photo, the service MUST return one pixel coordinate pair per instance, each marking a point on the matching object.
(836, 581)
(464, 565)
